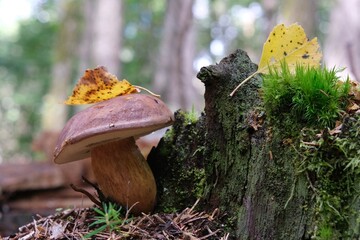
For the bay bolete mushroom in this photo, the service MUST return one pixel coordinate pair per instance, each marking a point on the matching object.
(106, 131)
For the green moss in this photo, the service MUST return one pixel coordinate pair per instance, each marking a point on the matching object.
(313, 96)
(326, 164)
(331, 165)
(177, 164)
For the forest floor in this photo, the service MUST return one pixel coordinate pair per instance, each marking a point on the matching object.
(76, 223)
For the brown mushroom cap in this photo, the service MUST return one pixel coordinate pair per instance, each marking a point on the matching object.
(115, 119)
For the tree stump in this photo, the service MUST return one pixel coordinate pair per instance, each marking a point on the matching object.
(250, 172)
(252, 168)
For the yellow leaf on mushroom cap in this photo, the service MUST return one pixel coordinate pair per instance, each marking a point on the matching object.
(98, 85)
(289, 44)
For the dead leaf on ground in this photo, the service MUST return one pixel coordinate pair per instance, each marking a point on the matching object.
(353, 107)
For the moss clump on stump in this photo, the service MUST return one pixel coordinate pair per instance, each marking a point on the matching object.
(330, 162)
(177, 164)
(306, 102)
(311, 96)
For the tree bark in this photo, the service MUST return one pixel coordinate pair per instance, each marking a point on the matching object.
(249, 175)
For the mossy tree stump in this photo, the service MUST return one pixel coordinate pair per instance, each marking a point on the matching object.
(249, 172)
(249, 167)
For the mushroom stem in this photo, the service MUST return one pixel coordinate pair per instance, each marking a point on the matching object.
(124, 175)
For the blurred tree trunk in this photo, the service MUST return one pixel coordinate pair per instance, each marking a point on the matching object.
(54, 113)
(302, 12)
(65, 47)
(342, 48)
(270, 12)
(101, 38)
(174, 71)
(106, 16)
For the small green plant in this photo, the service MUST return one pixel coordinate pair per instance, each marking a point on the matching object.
(191, 117)
(109, 218)
(311, 95)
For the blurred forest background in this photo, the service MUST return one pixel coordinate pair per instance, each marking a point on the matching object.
(45, 46)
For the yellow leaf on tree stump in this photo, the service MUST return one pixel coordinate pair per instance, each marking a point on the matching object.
(98, 85)
(288, 44)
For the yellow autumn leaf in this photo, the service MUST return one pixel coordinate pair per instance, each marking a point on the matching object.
(98, 85)
(288, 44)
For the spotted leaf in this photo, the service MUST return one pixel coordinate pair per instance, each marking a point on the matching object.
(289, 44)
(98, 85)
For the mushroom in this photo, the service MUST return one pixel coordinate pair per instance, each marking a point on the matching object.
(107, 131)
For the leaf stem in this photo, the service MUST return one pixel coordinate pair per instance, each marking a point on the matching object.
(243, 82)
(147, 90)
